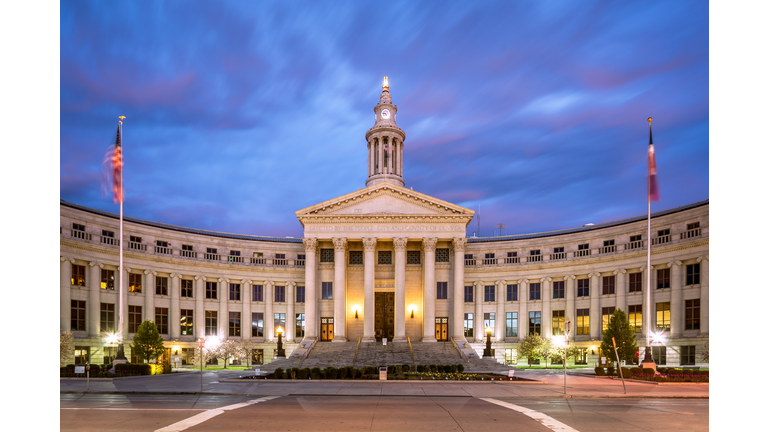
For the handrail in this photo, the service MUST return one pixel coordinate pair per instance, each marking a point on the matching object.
(461, 353)
(306, 353)
(358, 347)
(413, 360)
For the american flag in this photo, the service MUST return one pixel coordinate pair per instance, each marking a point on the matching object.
(113, 162)
(653, 187)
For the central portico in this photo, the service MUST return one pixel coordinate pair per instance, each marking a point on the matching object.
(383, 239)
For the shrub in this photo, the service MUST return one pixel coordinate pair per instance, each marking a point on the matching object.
(278, 373)
(95, 369)
(433, 368)
(132, 368)
(391, 369)
(302, 373)
(398, 369)
(648, 371)
(406, 368)
(599, 371)
(369, 370)
(627, 372)
(673, 371)
(687, 371)
(286, 376)
(315, 373)
(420, 368)
(636, 370)
(460, 368)
(331, 372)
(454, 368)
(343, 372)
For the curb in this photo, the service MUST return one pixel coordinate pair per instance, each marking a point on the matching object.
(273, 381)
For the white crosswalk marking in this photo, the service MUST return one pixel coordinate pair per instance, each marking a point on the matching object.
(207, 415)
(542, 418)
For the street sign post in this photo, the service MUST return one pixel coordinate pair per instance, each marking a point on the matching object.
(617, 361)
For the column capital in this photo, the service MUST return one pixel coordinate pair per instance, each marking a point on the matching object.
(548, 279)
(223, 280)
(622, 271)
(522, 281)
(459, 243)
(501, 282)
(198, 277)
(310, 244)
(339, 244)
(128, 269)
(400, 243)
(72, 260)
(176, 275)
(571, 277)
(478, 283)
(369, 244)
(246, 282)
(675, 262)
(429, 244)
(594, 274)
(268, 282)
(290, 284)
(148, 271)
(96, 264)
(699, 259)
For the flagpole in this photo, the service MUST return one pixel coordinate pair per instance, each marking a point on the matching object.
(648, 358)
(120, 358)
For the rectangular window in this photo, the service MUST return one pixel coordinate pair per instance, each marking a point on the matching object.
(534, 322)
(187, 322)
(558, 322)
(300, 294)
(258, 293)
(78, 275)
(326, 255)
(257, 356)
(211, 323)
(688, 355)
(441, 255)
(234, 256)
(558, 289)
(300, 325)
(279, 294)
(490, 293)
(512, 292)
(134, 239)
(536, 252)
(662, 278)
(583, 288)
(663, 232)
(355, 257)
(692, 314)
(78, 227)
(607, 312)
(234, 324)
(607, 243)
(186, 288)
(582, 321)
(210, 289)
(469, 325)
(691, 226)
(77, 320)
(161, 243)
(279, 322)
(609, 285)
(413, 257)
(107, 279)
(442, 290)
(161, 285)
(635, 282)
(134, 318)
(635, 238)
(511, 254)
(693, 274)
(257, 324)
(134, 283)
(489, 320)
(234, 291)
(659, 354)
(635, 317)
(161, 320)
(385, 257)
(535, 291)
(558, 249)
(584, 246)
(468, 294)
(663, 316)
(511, 324)
(107, 318)
(327, 293)
(82, 355)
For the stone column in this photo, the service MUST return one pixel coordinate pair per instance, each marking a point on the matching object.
(223, 309)
(269, 316)
(594, 306)
(148, 291)
(93, 305)
(123, 282)
(704, 294)
(546, 307)
(458, 245)
(500, 317)
(310, 288)
(621, 290)
(370, 158)
(523, 320)
(400, 158)
(381, 159)
(199, 306)
(428, 315)
(479, 287)
(290, 308)
(369, 247)
(390, 162)
(247, 320)
(339, 289)
(174, 312)
(65, 293)
(676, 304)
(570, 303)
(400, 244)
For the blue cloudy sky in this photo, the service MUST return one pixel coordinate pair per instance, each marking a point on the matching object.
(240, 113)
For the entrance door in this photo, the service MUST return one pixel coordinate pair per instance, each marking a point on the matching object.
(441, 328)
(326, 329)
(384, 315)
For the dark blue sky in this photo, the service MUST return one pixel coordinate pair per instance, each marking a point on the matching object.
(239, 114)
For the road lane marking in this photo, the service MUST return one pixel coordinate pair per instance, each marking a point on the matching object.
(542, 418)
(207, 415)
(139, 409)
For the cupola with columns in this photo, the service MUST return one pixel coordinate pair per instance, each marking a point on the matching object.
(385, 143)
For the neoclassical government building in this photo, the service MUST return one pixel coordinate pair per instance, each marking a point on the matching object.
(386, 261)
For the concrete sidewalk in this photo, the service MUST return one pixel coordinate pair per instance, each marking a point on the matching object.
(548, 384)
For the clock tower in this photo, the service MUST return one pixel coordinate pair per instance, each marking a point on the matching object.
(385, 143)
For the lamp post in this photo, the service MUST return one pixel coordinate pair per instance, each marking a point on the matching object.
(487, 351)
(565, 353)
(201, 343)
(280, 350)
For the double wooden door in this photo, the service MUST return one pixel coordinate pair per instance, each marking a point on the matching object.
(326, 329)
(441, 328)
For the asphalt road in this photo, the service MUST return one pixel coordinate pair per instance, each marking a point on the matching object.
(125, 412)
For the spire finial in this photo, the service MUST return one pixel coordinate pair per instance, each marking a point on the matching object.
(385, 85)
(650, 134)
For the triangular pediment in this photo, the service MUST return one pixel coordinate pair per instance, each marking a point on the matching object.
(385, 199)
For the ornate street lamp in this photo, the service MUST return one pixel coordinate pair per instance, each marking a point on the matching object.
(487, 351)
(280, 350)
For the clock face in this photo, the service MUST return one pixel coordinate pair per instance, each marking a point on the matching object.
(385, 114)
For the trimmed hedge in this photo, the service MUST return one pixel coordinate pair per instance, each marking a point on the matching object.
(599, 371)
(133, 368)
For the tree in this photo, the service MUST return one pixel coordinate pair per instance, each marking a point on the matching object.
(556, 353)
(245, 350)
(533, 347)
(228, 349)
(66, 347)
(624, 333)
(147, 343)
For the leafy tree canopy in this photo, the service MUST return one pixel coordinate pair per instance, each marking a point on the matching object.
(533, 346)
(624, 333)
(147, 343)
